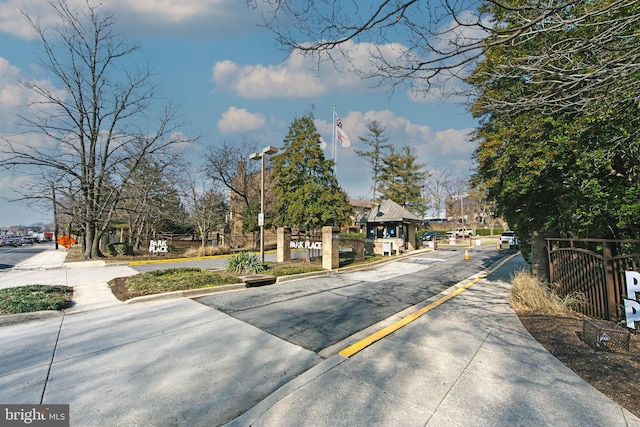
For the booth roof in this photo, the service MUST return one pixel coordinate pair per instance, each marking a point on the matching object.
(390, 211)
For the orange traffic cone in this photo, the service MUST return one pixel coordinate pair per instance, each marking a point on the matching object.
(466, 255)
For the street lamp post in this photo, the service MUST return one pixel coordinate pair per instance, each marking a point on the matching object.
(255, 156)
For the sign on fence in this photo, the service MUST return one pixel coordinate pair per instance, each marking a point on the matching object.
(157, 246)
(631, 303)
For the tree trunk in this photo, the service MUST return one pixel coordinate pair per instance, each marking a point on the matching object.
(539, 258)
(92, 243)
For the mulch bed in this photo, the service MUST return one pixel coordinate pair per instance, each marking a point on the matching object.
(615, 373)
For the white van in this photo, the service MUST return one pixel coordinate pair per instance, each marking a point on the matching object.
(509, 237)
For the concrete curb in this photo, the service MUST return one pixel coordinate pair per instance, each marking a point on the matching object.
(336, 358)
(194, 293)
(190, 293)
(12, 319)
(254, 414)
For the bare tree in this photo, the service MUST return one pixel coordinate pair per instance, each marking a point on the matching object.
(228, 165)
(207, 206)
(426, 44)
(457, 192)
(150, 199)
(91, 124)
(436, 189)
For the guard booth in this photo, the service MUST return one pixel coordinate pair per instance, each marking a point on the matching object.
(392, 228)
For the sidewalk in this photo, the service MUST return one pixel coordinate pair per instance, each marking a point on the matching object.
(89, 279)
(46, 260)
(468, 361)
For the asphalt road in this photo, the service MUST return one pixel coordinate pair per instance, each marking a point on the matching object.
(316, 313)
(11, 256)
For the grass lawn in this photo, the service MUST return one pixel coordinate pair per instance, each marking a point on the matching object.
(180, 279)
(29, 298)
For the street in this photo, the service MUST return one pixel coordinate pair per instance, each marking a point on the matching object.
(316, 314)
(11, 256)
(274, 356)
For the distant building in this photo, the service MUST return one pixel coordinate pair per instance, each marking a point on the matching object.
(472, 211)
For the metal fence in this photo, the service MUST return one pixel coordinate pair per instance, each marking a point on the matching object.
(596, 268)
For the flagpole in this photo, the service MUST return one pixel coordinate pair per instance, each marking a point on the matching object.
(334, 149)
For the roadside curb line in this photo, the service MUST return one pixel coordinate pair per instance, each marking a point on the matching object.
(189, 293)
(252, 415)
(458, 288)
(14, 319)
(194, 293)
(169, 260)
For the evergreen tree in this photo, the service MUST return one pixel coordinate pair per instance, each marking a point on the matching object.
(558, 171)
(307, 193)
(379, 150)
(402, 180)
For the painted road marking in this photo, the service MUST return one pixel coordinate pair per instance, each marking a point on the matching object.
(385, 272)
(376, 336)
(423, 260)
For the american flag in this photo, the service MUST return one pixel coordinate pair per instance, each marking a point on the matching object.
(342, 137)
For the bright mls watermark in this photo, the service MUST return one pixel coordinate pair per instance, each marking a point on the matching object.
(34, 415)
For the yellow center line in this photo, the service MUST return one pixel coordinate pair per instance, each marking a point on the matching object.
(382, 333)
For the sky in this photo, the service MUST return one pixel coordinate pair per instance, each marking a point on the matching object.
(231, 82)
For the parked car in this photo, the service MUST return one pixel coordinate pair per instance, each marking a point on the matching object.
(510, 238)
(27, 240)
(13, 241)
(428, 236)
(460, 233)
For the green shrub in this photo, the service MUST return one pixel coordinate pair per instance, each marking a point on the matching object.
(484, 232)
(120, 249)
(26, 299)
(245, 263)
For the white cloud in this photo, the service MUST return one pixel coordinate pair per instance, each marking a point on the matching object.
(11, 183)
(454, 142)
(15, 98)
(450, 148)
(292, 79)
(240, 120)
(303, 76)
(11, 93)
(397, 128)
(299, 76)
(13, 22)
(184, 18)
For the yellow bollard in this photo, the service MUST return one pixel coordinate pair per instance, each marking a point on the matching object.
(466, 255)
